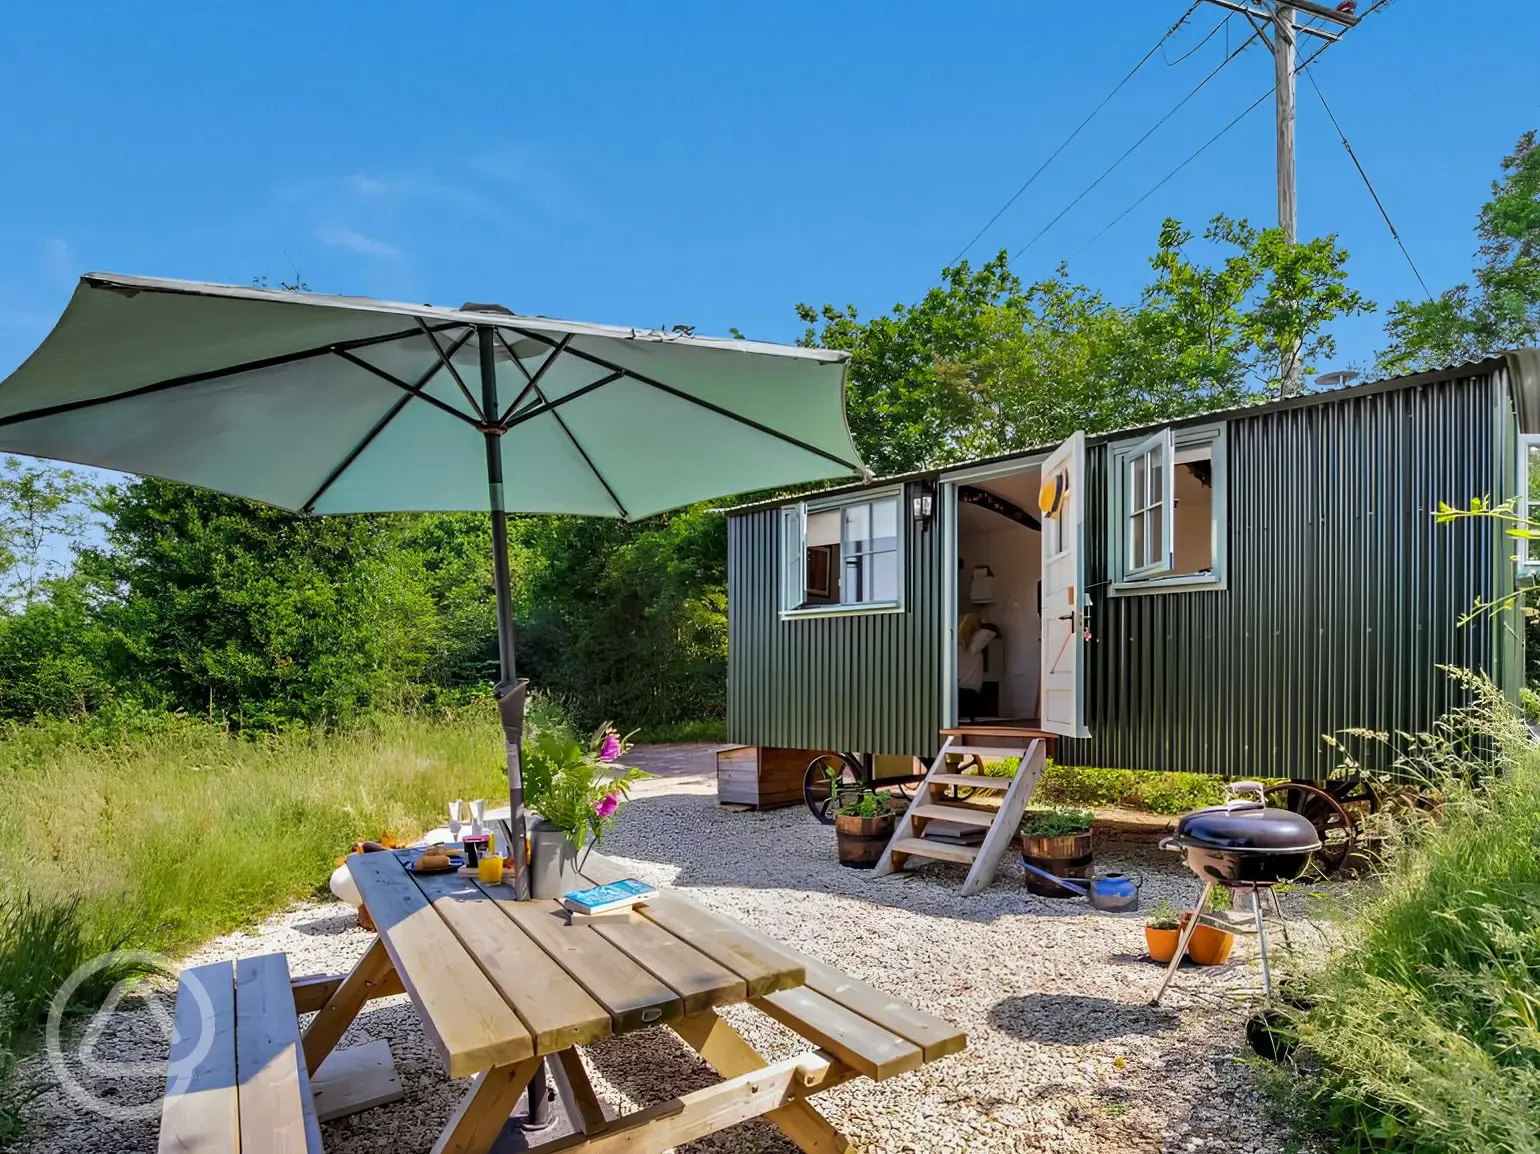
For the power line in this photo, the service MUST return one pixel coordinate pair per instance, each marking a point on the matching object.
(1130, 150)
(1202, 148)
(1379, 204)
(1212, 31)
(1210, 141)
(1070, 138)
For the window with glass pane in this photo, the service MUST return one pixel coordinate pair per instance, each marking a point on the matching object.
(869, 552)
(1529, 509)
(1146, 510)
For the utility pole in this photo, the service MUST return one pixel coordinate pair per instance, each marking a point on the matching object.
(1263, 14)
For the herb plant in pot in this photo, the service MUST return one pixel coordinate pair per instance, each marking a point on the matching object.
(863, 826)
(1162, 932)
(577, 790)
(1056, 842)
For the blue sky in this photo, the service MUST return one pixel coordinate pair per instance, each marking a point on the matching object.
(705, 164)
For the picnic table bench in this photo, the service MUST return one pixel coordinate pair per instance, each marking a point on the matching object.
(500, 985)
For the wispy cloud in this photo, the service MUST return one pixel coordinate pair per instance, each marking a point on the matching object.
(365, 185)
(357, 242)
(57, 264)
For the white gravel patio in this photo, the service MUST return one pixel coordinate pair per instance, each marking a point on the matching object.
(1064, 1052)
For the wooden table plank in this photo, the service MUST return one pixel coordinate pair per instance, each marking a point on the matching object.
(855, 1041)
(200, 1112)
(558, 1012)
(277, 1110)
(935, 1036)
(632, 996)
(464, 1015)
(764, 966)
(700, 982)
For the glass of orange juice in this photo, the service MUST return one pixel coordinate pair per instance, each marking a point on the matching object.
(489, 868)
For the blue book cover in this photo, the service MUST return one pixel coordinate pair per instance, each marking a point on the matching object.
(617, 895)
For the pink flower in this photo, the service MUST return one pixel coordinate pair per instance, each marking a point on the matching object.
(610, 750)
(607, 805)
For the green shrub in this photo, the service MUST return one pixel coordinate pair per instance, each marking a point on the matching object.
(1423, 1034)
(1056, 822)
(1128, 789)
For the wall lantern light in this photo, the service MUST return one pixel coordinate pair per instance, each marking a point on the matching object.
(923, 504)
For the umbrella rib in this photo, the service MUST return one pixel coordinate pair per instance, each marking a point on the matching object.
(534, 381)
(537, 410)
(448, 364)
(210, 375)
(582, 452)
(683, 396)
(379, 427)
(406, 388)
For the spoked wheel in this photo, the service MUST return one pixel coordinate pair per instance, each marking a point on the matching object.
(964, 792)
(1355, 794)
(828, 776)
(1333, 824)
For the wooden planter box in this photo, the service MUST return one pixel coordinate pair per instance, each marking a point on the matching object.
(762, 777)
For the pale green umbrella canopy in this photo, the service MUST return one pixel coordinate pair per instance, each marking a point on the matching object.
(333, 404)
(328, 404)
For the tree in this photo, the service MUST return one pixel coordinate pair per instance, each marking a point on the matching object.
(982, 364)
(44, 512)
(1502, 309)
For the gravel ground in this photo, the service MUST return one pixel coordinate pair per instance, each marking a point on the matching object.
(1064, 1052)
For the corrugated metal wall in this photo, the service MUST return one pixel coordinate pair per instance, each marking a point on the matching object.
(1343, 594)
(1343, 597)
(868, 682)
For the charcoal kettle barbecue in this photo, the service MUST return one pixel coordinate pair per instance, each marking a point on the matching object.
(1243, 844)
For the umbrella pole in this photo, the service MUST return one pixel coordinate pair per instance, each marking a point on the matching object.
(510, 689)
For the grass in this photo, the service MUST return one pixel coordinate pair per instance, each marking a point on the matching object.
(712, 729)
(1423, 1034)
(161, 832)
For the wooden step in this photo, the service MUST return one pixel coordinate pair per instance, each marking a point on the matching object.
(988, 752)
(970, 780)
(919, 847)
(957, 813)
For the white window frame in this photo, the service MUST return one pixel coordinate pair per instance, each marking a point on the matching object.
(793, 567)
(1125, 582)
(1528, 552)
(1158, 453)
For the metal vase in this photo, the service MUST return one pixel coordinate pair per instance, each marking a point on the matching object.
(553, 864)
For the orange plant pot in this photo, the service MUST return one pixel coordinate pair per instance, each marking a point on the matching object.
(1161, 943)
(1208, 946)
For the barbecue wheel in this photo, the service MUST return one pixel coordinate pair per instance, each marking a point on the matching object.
(1333, 824)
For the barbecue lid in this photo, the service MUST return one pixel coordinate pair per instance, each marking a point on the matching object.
(1249, 827)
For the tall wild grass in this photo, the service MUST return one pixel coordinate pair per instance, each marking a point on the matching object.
(1423, 1035)
(157, 831)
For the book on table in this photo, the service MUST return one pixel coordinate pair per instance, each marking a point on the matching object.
(601, 899)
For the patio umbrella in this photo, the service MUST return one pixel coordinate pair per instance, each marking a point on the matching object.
(328, 404)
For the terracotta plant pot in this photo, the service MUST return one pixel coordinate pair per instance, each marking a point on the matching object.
(1208, 946)
(1161, 943)
(861, 840)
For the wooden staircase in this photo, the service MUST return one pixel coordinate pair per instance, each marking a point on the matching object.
(1000, 824)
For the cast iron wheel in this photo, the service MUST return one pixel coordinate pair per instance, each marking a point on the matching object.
(964, 792)
(828, 776)
(1356, 794)
(1333, 824)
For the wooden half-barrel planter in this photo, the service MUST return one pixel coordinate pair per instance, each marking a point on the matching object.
(861, 840)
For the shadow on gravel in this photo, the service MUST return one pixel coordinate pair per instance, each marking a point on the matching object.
(329, 925)
(1077, 1019)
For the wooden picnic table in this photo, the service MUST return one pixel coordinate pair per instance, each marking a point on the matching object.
(501, 984)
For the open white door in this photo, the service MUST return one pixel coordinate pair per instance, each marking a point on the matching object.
(1064, 596)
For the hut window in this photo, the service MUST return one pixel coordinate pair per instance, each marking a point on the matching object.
(1529, 501)
(1166, 511)
(841, 556)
